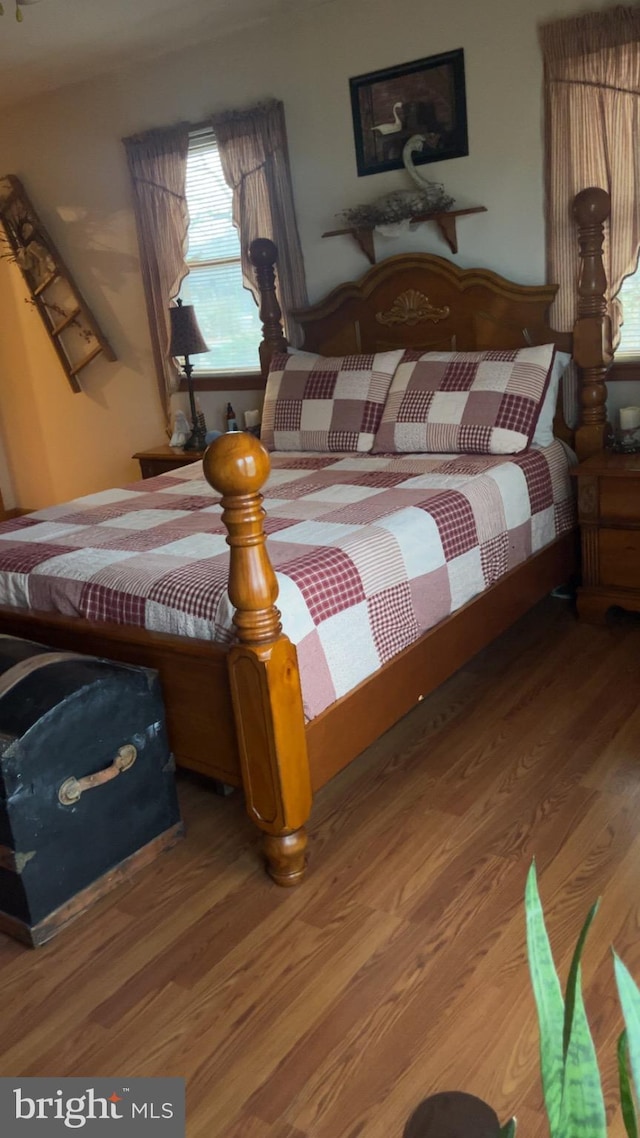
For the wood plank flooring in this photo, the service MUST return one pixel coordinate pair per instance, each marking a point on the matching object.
(399, 968)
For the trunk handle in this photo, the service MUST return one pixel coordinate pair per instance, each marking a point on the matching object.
(72, 788)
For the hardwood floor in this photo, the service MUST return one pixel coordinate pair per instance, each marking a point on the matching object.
(399, 967)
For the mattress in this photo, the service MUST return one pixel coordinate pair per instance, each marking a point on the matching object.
(370, 551)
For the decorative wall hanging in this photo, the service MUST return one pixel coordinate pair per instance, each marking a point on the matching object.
(20, 4)
(70, 324)
(425, 97)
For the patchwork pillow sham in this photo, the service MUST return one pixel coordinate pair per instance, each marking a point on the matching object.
(326, 403)
(465, 402)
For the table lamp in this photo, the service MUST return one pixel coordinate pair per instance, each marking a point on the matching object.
(186, 340)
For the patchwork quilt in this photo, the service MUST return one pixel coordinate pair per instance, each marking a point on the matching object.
(370, 551)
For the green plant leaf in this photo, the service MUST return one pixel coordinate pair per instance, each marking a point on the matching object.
(630, 1003)
(582, 1113)
(626, 1094)
(549, 1003)
(570, 993)
(509, 1129)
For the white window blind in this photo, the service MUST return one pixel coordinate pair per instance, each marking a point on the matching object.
(226, 311)
(629, 297)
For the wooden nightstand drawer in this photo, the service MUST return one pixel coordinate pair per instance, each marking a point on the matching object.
(609, 512)
(164, 459)
(619, 558)
(620, 499)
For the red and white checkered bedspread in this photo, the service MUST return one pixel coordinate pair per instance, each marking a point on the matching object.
(370, 551)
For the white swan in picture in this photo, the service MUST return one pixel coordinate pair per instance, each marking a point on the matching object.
(391, 127)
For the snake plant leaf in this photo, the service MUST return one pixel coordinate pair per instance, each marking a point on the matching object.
(582, 1112)
(572, 978)
(630, 1003)
(549, 1003)
(626, 1094)
(509, 1129)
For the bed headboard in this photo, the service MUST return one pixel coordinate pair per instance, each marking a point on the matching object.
(417, 300)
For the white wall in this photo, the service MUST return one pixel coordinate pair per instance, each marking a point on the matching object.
(66, 148)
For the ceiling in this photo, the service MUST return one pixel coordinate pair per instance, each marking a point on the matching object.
(63, 41)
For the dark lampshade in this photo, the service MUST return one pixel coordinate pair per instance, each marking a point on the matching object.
(186, 337)
(186, 340)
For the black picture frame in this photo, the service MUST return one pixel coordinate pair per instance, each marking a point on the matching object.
(432, 97)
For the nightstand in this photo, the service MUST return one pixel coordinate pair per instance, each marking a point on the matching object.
(162, 459)
(609, 512)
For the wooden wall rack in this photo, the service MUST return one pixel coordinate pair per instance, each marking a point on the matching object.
(446, 223)
(70, 324)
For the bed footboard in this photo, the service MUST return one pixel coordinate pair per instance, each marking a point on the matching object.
(263, 665)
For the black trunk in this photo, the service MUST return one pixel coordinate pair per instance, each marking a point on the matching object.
(64, 717)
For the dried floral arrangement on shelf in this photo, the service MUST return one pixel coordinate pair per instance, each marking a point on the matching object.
(401, 205)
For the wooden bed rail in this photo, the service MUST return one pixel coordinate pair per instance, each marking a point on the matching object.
(263, 665)
(592, 330)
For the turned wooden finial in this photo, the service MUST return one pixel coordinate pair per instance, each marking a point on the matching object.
(592, 332)
(236, 465)
(263, 256)
(591, 206)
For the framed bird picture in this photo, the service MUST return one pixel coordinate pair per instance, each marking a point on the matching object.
(426, 97)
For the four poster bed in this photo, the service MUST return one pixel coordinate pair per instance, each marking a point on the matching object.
(235, 709)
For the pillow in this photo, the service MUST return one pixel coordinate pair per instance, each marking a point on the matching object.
(571, 395)
(543, 435)
(326, 403)
(465, 402)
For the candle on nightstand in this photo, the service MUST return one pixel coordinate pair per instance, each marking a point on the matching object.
(629, 418)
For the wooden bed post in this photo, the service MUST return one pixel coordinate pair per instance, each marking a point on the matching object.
(592, 330)
(263, 256)
(263, 665)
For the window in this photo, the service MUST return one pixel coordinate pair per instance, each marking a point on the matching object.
(226, 311)
(629, 296)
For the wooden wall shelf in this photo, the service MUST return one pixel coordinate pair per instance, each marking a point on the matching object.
(446, 223)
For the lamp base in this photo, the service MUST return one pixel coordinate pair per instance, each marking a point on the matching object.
(198, 438)
(196, 442)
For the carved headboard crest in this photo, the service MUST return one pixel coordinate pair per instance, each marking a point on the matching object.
(413, 307)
